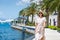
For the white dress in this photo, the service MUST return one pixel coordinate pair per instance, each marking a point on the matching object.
(39, 28)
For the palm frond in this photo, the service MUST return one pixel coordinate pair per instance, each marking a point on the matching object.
(53, 5)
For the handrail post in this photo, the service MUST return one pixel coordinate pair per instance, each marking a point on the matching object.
(23, 33)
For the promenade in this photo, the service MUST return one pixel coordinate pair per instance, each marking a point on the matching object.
(49, 33)
(52, 34)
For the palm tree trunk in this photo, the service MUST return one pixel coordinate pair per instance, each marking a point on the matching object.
(47, 17)
(58, 20)
(32, 17)
(23, 18)
(27, 18)
(26, 22)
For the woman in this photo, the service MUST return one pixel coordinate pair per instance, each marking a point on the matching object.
(40, 24)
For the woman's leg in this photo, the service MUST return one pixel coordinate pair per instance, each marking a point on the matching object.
(43, 31)
(43, 38)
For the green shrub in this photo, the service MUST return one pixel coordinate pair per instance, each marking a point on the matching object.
(52, 27)
(30, 23)
(58, 28)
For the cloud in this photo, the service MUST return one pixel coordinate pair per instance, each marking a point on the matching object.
(26, 1)
(37, 1)
(22, 2)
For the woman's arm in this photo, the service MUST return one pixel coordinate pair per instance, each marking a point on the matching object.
(44, 24)
(36, 27)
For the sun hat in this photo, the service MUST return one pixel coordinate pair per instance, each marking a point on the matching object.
(40, 11)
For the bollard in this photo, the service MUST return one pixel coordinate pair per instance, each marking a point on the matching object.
(23, 33)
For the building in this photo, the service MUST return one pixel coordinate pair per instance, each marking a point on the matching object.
(53, 19)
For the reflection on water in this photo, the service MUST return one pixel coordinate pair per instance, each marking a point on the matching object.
(8, 33)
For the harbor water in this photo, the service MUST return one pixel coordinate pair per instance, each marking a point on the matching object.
(9, 33)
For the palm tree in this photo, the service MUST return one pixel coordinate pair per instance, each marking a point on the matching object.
(52, 6)
(32, 10)
(22, 13)
(45, 6)
(25, 12)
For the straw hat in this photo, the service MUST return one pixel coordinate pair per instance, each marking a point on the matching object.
(41, 11)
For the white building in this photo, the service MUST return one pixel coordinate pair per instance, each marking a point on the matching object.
(53, 19)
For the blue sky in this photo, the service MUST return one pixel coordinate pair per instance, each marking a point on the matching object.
(10, 8)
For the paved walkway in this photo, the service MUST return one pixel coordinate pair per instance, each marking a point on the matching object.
(50, 35)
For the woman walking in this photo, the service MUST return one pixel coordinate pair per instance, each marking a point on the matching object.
(40, 24)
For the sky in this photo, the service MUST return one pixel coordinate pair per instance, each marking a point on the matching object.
(9, 9)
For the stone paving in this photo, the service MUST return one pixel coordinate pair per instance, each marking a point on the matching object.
(50, 35)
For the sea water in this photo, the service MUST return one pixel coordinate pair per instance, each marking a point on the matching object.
(9, 33)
